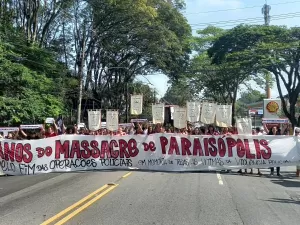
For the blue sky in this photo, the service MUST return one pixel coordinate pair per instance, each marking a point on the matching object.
(199, 15)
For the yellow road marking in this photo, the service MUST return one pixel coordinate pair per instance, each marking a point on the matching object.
(80, 202)
(126, 175)
(220, 179)
(57, 216)
(89, 203)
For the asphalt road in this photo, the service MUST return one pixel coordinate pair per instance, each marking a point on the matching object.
(151, 198)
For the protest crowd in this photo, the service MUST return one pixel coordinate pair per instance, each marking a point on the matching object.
(194, 120)
(141, 127)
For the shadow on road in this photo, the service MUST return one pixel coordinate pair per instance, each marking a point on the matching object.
(283, 200)
(265, 174)
(287, 183)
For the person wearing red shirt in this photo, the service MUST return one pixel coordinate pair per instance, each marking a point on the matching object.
(50, 133)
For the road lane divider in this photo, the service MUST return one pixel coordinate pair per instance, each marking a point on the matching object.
(80, 202)
(219, 179)
(127, 174)
(86, 205)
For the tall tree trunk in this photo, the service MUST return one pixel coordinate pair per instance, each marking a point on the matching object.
(233, 106)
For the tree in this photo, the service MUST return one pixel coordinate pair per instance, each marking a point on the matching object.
(179, 93)
(272, 48)
(221, 82)
(248, 97)
(251, 96)
(132, 39)
(27, 96)
(100, 44)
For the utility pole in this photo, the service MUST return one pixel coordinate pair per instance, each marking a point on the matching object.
(266, 12)
(80, 73)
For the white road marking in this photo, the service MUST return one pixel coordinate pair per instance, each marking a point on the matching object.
(220, 179)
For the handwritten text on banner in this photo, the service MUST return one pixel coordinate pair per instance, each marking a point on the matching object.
(163, 152)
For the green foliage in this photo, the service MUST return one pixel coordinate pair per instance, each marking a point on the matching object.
(29, 95)
(44, 46)
(179, 93)
(264, 48)
(251, 96)
(248, 97)
(150, 35)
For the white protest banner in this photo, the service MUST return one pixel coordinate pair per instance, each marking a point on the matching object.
(208, 113)
(193, 111)
(138, 120)
(179, 117)
(9, 129)
(6, 130)
(272, 108)
(126, 125)
(244, 126)
(136, 106)
(50, 120)
(275, 121)
(94, 117)
(158, 113)
(224, 115)
(31, 127)
(157, 152)
(112, 120)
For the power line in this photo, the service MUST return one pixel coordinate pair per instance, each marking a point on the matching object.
(258, 22)
(228, 26)
(234, 9)
(279, 16)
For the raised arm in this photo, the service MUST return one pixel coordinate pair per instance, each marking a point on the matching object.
(265, 128)
(22, 132)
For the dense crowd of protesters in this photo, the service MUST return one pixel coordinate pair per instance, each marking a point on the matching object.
(52, 130)
(135, 129)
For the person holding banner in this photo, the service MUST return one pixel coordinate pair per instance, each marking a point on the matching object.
(51, 131)
(196, 131)
(120, 132)
(275, 131)
(9, 136)
(212, 131)
(150, 130)
(70, 130)
(225, 131)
